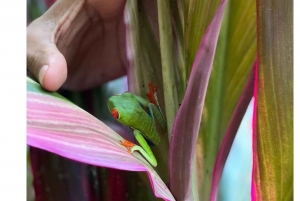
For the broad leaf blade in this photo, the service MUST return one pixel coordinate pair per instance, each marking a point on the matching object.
(233, 62)
(56, 125)
(273, 131)
(187, 122)
(230, 134)
(239, 56)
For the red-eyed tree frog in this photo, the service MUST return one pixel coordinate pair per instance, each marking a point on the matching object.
(139, 114)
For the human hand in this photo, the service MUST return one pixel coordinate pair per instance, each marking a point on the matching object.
(78, 44)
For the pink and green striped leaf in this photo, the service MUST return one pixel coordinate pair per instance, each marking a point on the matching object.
(58, 126)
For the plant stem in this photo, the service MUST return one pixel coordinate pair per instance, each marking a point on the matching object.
(168, 71)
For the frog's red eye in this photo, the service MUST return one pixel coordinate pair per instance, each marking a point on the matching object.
(114, 112)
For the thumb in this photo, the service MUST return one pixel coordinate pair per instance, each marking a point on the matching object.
(48, 66)
(44, 61)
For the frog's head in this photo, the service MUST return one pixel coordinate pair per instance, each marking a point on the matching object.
(122, 107)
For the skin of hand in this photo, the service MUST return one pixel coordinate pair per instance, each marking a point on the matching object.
(77, 44)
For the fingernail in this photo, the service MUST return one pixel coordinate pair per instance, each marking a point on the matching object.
(42, 73)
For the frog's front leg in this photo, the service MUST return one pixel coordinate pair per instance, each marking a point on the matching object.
(146, 151)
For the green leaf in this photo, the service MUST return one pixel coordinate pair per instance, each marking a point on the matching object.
(197, 15)
(234, 59)
(231, 132)
(186, 126)
(273, 140)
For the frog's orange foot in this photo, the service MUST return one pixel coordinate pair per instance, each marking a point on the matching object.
(151, 94)
(127, 144)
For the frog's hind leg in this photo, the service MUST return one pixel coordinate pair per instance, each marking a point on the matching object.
(155, 112)
(146, 151)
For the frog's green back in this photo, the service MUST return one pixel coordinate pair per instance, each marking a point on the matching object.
(133, 115)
